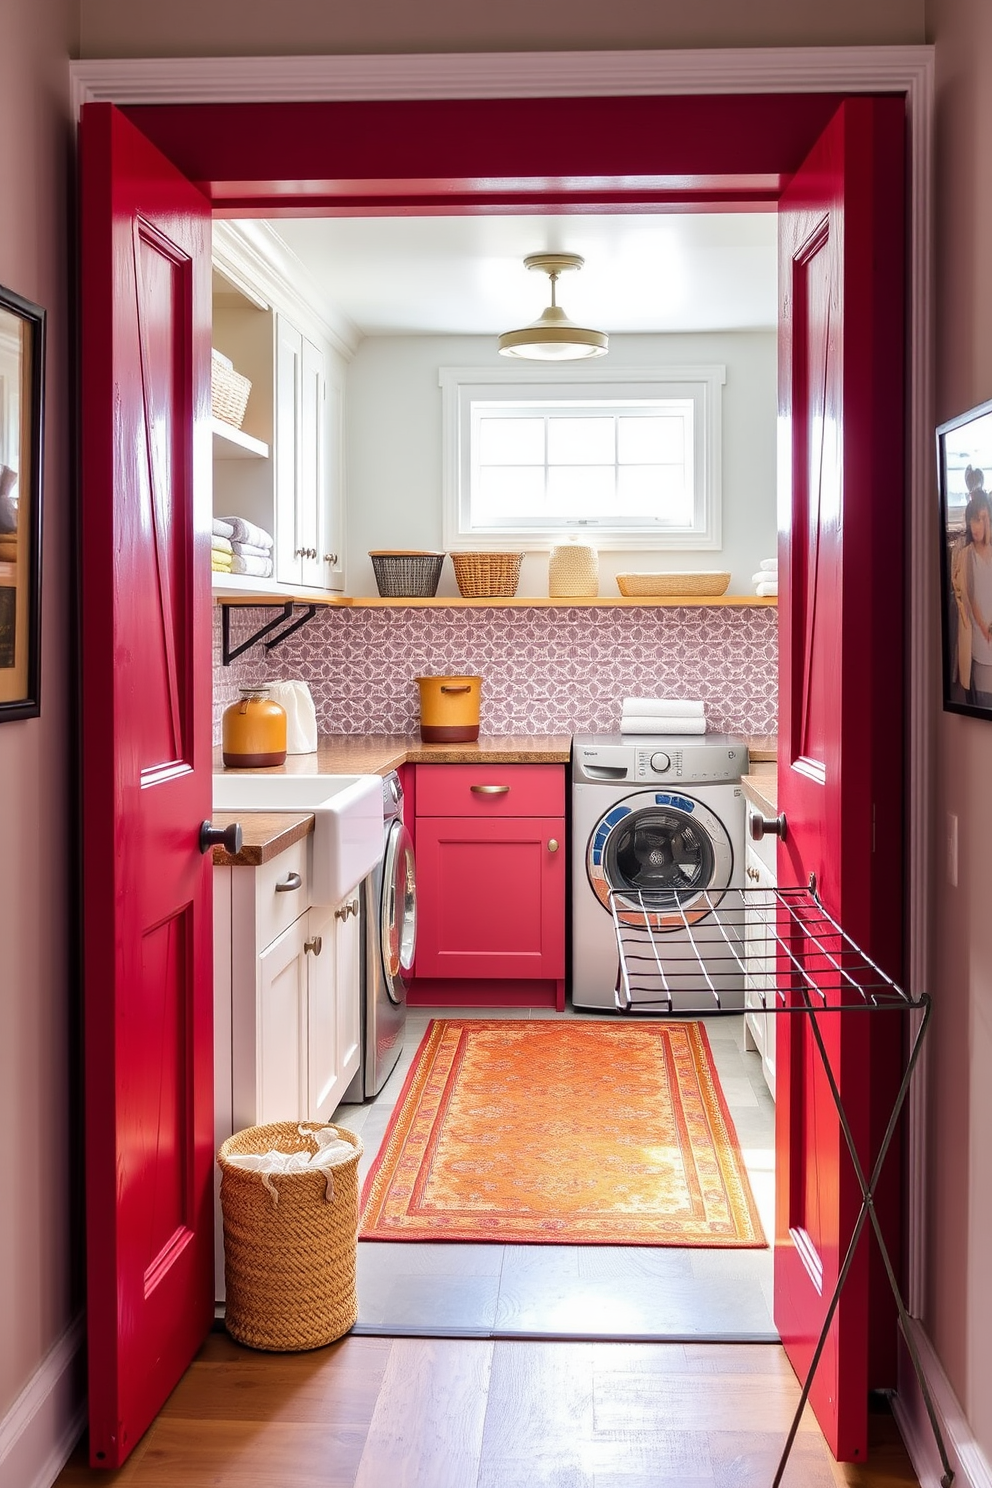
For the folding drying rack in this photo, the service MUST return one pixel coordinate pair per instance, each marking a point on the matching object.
(793, 958)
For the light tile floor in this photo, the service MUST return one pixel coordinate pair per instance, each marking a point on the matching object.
(576, 1291)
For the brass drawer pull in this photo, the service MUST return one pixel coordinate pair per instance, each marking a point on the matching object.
(491, 790)
(289, 883)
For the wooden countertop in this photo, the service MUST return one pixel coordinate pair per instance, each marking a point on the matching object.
(265, 834)
(761, 789)
(762, 747)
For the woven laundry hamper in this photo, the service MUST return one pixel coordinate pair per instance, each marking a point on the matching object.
(289, 1264)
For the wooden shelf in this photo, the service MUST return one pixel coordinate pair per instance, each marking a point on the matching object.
(619, 601)
(234, 444)
(234, 589)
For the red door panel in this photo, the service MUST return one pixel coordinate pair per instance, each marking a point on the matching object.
(146, 763)
(840, 731)
(491, 897)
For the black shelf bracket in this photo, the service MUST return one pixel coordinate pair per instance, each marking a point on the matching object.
(230, 653)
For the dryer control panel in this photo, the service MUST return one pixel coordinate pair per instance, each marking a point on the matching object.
(668, 758)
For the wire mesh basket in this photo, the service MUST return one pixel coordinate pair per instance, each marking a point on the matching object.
(487, 575)
(406, 573)
(228, 390)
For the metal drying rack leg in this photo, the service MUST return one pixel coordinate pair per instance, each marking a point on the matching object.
(866, 1212)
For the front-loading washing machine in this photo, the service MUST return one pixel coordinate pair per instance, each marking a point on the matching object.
(656, 819)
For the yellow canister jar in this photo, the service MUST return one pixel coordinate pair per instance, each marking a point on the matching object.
(449, 709)
(254, 731)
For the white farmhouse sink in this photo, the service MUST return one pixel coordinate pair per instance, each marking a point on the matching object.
(347, 809)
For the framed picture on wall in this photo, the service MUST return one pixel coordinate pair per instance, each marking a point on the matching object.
(22, 381)
(964, 470)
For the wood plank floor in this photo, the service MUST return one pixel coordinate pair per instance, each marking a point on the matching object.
(465, 1413)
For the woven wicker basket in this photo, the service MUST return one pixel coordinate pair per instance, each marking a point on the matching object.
(573, 571)
(409, 574)
(228, 391)
(289, 1266)
(699, 583)
(487, 575)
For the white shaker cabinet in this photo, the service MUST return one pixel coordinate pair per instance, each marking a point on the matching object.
(286, 473)
(760, 1028)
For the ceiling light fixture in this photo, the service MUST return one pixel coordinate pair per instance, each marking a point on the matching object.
(553, 337)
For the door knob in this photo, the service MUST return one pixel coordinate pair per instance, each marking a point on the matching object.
(552, 844)
(229, 838)
(768, 826)
(316, 945)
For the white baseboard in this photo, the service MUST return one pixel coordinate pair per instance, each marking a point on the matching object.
(46, 1420)
(971, 1466)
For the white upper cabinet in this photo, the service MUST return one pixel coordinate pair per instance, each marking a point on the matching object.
(283, 470)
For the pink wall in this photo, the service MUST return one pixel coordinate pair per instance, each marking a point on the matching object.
(37, 1295)
(544, 670)
(959, 1302)
(186, 28)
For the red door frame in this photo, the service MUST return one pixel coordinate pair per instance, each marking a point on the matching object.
(465, 156)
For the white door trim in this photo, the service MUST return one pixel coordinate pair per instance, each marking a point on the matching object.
(900, 69)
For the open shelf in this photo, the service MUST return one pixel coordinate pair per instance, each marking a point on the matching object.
(617, 601)
(234, 444)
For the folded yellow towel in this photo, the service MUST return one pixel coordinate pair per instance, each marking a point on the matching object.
(221, 562)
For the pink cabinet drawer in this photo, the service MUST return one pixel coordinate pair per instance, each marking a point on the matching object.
(490, 790)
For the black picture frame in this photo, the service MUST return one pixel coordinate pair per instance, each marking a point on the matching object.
(22, 435)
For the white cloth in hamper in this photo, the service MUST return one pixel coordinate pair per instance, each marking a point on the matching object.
(332, 1150)
(301, 716)
(631, 723)
(663, 707)
(767, 591)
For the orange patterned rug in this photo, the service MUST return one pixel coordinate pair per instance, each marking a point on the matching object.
(564, 1133)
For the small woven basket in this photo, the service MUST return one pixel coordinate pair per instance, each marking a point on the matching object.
(407, 575)
(228, 391)
(487, 575)
(289, 1265)
(707, 584)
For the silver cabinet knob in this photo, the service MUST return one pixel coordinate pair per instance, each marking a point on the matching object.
(315, 946)
(330, 557)
(768, 826)
(351, 908)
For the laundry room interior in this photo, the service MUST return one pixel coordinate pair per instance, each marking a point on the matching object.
(632, 728)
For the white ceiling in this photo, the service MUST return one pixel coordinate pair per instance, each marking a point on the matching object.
(645, 272)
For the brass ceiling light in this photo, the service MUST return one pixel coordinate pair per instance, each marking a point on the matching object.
(553, 337)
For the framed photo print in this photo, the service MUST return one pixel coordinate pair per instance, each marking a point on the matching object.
(964, 470)
(22, 381)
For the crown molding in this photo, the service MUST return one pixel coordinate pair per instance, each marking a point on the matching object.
(166, 80)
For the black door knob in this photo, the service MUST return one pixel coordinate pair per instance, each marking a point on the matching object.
(230, 838)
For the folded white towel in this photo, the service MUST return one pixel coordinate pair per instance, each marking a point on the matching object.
(220, 544)
(663, 707)
(767, 591)
(222, 528)
(249, 550)
(770, 565)
(634, 724)
(245, 532)
(258, 568)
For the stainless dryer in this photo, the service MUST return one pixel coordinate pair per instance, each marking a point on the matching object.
(389, 931)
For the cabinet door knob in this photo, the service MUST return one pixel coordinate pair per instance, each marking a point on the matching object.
(768, 826)
(330, 557)
(351, 908)
(490, 790)
(316, 945)
(289, 883)
(552, 844)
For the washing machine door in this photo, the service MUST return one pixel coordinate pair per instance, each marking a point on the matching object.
(398, 911)
(663, 849)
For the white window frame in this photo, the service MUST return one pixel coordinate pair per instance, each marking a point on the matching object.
(461, 386)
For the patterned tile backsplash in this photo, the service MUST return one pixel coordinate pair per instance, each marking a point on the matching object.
(545, 670)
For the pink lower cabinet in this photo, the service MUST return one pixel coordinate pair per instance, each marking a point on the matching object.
(490, 844)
